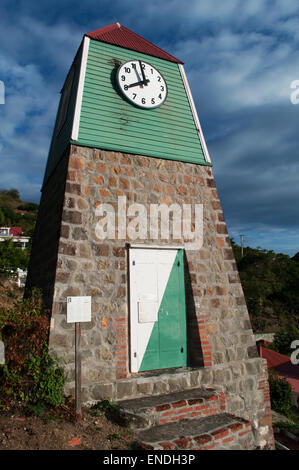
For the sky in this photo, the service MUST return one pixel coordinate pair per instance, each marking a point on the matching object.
(241, 58)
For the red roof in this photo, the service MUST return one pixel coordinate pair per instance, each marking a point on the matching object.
(15, 231)
(283, 366)
(119, 35)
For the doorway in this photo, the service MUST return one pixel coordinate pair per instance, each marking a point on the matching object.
(157, 309)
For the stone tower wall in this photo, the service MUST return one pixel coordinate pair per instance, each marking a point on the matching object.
(71, 260)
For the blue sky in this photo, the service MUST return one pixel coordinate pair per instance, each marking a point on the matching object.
(240, 57)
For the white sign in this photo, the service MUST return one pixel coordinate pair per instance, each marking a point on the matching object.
(78, 309)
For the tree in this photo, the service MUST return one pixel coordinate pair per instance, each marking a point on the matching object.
(270, 283)
(12, 257)
(283, 340)
(14, 194)
(296, 257)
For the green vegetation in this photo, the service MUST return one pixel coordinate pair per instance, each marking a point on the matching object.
(9, 202)
(106, 406)
(29, 375)
(283, 340)
(281, 394)
(12, 257)
(288, 426)
(271, 286)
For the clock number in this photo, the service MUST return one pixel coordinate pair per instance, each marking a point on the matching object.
(160, 96)
(123, 78)
(134, 96)
(133, 65)
(162, 88)
(127, 70)
(143, 101)
(153, 100)
(152, 71)
(143, 66)
(159, 79)
(126, 87)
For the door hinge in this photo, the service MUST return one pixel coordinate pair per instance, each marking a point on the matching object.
(135, 354)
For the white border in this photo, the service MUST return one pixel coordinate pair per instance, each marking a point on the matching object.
(76, 122)
(155, 247)
(195, 115)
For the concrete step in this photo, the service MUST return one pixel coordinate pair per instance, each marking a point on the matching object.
(145, 412)
(217, 432)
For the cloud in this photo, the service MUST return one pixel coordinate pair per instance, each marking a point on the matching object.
(240, 57)
(33, 77)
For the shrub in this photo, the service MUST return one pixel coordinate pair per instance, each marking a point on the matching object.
(47, 380)
(281, 394)
(29, 374)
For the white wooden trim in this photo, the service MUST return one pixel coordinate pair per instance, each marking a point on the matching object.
(76, 122)
(156, 247)
(195, 115)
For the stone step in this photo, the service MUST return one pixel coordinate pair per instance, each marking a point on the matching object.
(145, 412)
(217, 432)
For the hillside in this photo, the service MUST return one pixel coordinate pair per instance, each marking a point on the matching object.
(15, 212)
(271, 286)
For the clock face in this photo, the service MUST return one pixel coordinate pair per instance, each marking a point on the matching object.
(142, 84)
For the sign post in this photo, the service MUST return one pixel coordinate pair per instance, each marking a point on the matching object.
(78, 311)
(78, 370)
(2, 353)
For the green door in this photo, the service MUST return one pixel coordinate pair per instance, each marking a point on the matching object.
(167, 345)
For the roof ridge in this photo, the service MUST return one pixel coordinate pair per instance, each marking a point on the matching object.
(119, 35)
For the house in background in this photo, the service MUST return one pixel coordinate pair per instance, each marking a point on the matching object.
(15, 234)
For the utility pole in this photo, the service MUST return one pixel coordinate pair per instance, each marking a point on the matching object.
(242, 245)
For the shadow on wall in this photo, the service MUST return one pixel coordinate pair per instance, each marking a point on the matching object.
(195, 354)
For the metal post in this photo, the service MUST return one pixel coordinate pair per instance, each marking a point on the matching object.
(242, 245)
(78, 370)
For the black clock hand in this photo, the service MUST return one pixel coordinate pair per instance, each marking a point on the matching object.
(137, 74)
(143, 82)
(142, 71)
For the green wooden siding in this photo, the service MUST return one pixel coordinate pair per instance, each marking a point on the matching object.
(108, 121)
(61, 139)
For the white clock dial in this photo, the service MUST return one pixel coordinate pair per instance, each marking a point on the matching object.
(142, 84)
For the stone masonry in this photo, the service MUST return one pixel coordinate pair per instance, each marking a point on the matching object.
(68, 259)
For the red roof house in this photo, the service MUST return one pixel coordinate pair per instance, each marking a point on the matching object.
(15, 231)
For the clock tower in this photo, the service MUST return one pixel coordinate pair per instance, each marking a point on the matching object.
(128, 173)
